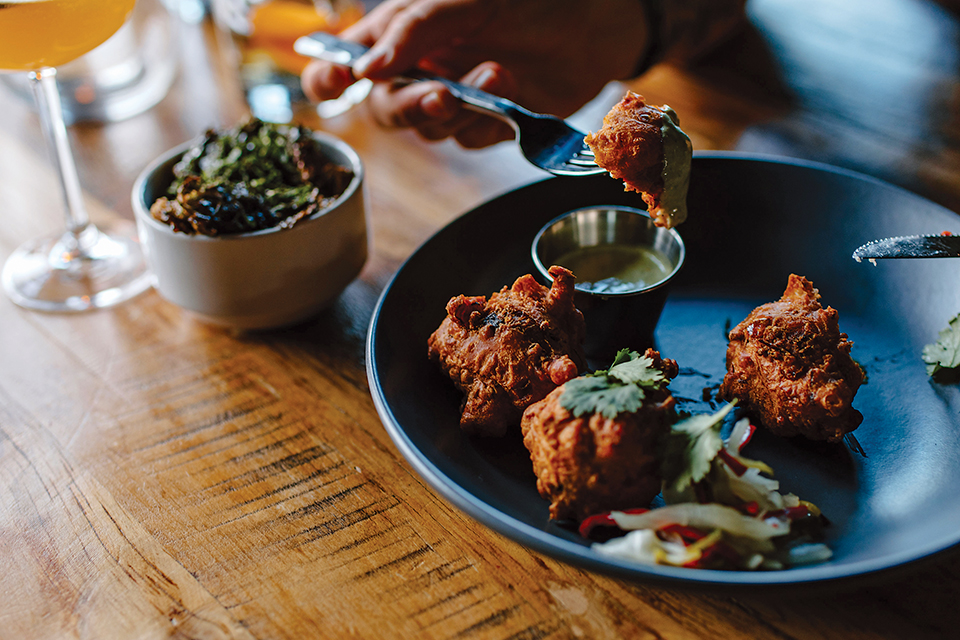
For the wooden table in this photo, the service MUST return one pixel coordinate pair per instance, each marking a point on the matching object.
(160, 477)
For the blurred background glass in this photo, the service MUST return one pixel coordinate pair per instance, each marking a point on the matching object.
(259, 36)
(124, 76)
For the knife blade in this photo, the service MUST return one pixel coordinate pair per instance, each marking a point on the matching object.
(938, 246)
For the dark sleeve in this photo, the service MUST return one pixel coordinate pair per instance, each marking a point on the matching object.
(684, 30)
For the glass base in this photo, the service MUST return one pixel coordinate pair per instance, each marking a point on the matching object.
(97, 268)
(277, 97)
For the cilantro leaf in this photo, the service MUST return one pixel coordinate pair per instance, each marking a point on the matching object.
(596, 395)
(624, 355)
(690, 448)
(639, 371)
(945, 352)
(619, 389)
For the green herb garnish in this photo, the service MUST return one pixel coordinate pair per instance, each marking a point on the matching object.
(619, 389)
(690, 447)
(255, 176)
(945, 352)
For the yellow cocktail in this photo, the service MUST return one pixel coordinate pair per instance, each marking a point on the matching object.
(88, 267)
(48, 33)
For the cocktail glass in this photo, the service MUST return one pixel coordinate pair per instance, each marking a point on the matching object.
(88, 266)
(261, 35)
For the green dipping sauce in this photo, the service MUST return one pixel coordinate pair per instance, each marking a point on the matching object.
(615, 268)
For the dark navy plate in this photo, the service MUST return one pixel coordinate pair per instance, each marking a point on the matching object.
(753, 221)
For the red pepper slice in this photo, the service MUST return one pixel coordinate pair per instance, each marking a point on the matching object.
(747, 436)
(603, 520)
(796, 513)
(735, 465)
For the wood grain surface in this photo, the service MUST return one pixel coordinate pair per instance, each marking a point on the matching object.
(164, 478)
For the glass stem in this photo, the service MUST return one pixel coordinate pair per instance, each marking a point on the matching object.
(44, 83)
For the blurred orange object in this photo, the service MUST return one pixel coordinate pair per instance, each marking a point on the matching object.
(286, 20)
(275, 26)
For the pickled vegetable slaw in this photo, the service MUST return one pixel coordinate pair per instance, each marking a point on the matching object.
(722, 510)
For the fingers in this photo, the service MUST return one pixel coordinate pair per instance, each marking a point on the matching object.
(399, 105)
(485, 133)
(477, 130)
(370, 27)
(401, 32)
(430, 108)
(323, 80)
(409, 30)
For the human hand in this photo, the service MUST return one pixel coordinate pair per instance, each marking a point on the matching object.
(550, 56)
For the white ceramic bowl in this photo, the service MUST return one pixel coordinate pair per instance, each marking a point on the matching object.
(260, 280)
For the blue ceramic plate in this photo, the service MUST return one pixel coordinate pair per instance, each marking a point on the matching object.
(753, 221)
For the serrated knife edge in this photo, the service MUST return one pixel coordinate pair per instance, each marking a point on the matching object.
(936, 246)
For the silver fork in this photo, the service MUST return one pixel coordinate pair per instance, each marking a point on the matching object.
(546, 141)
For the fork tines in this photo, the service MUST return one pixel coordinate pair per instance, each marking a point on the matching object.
(584, 158)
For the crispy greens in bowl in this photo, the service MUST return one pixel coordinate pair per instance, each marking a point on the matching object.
(263, 278)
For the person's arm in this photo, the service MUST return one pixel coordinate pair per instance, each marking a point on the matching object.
(551, 56)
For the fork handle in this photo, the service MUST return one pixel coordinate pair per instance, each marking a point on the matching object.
(479, 100)
(326, 46)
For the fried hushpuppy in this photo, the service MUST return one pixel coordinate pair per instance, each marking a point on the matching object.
(643, 146)
(592, 463)
(510, 351)
(790, 366)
